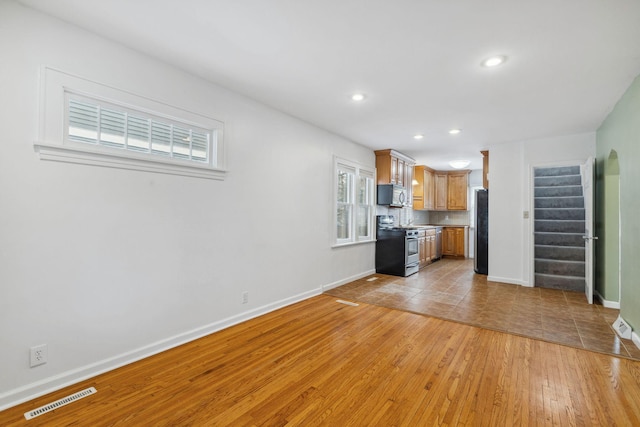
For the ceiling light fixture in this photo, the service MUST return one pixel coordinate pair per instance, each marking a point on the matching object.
(459, 164)
(418, 136)
(454, 131)
(494, 61)
(358, 97)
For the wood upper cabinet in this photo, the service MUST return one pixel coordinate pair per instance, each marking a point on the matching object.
(423, 188)
(440, 190)
(429, 189)
(393, 167)
(401, 169)
(440, 185)
(418, 188)
(457, 190)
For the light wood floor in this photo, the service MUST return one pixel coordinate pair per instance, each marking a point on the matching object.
(320, 362)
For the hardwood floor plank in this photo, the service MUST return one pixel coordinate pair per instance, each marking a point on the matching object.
(319, 363)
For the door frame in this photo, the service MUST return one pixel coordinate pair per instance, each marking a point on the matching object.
(588, 175)
(529, 229)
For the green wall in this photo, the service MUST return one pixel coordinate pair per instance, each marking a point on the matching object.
(620, 132)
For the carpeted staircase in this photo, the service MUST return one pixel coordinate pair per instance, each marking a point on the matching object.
(558, 228)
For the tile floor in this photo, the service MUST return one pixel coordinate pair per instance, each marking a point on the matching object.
(449, 289)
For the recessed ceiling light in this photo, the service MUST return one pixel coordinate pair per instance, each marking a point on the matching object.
(459, 164)
(455, 131)
(358, 97)
(494, 61)
(418, 136)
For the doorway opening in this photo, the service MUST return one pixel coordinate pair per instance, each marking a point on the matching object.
(559, 228)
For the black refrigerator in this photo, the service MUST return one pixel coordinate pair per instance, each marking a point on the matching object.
(481, 261)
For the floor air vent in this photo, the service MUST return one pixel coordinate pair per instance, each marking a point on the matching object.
(58, 403)
(622, 328)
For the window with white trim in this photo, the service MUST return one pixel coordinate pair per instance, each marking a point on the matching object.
(354, 203)
(100, 123)
(86, 122)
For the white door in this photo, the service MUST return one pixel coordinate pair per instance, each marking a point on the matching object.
(588, 185)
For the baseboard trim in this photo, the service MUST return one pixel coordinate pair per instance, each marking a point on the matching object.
(635, 338)
(506, 280)
(31, 391)
(348, 280)
(606, 303)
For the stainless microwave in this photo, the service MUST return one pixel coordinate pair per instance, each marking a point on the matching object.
(392, 195)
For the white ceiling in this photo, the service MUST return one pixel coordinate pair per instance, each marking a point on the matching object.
(418, 61)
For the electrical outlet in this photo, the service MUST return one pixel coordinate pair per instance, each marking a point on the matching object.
(245, 297)
(38, 355)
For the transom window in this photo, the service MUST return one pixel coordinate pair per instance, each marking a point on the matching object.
(99, 123)
(91, 123)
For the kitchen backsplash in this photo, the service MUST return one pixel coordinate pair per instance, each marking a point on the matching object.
(404, 216)
(441, 217)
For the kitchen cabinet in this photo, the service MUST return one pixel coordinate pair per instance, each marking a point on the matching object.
(393, 167)
(423, 188)
(422, 249)
(426, 246)
(429, 189)
(432, 245)
(418, 187)
(440, 188)
(457, 190)
(453, 241)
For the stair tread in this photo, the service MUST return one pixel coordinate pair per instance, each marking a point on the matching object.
(558, 232)
(558, 220)
(557, 186)
(558, 246)
(559, 276)
(559, 260)
(560, 197)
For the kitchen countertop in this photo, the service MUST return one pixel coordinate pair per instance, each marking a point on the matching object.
(438, 225)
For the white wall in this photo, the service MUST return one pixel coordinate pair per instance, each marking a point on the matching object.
(510, 195)
(108, 265)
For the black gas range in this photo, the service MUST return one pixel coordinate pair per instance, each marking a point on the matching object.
(396, 248)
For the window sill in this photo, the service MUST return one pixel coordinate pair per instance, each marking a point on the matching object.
(93, 157)
(362, 242)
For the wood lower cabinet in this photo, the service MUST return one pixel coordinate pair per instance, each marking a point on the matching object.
(432, 245)
(426, 246)
(422, 249)
(453, 241)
